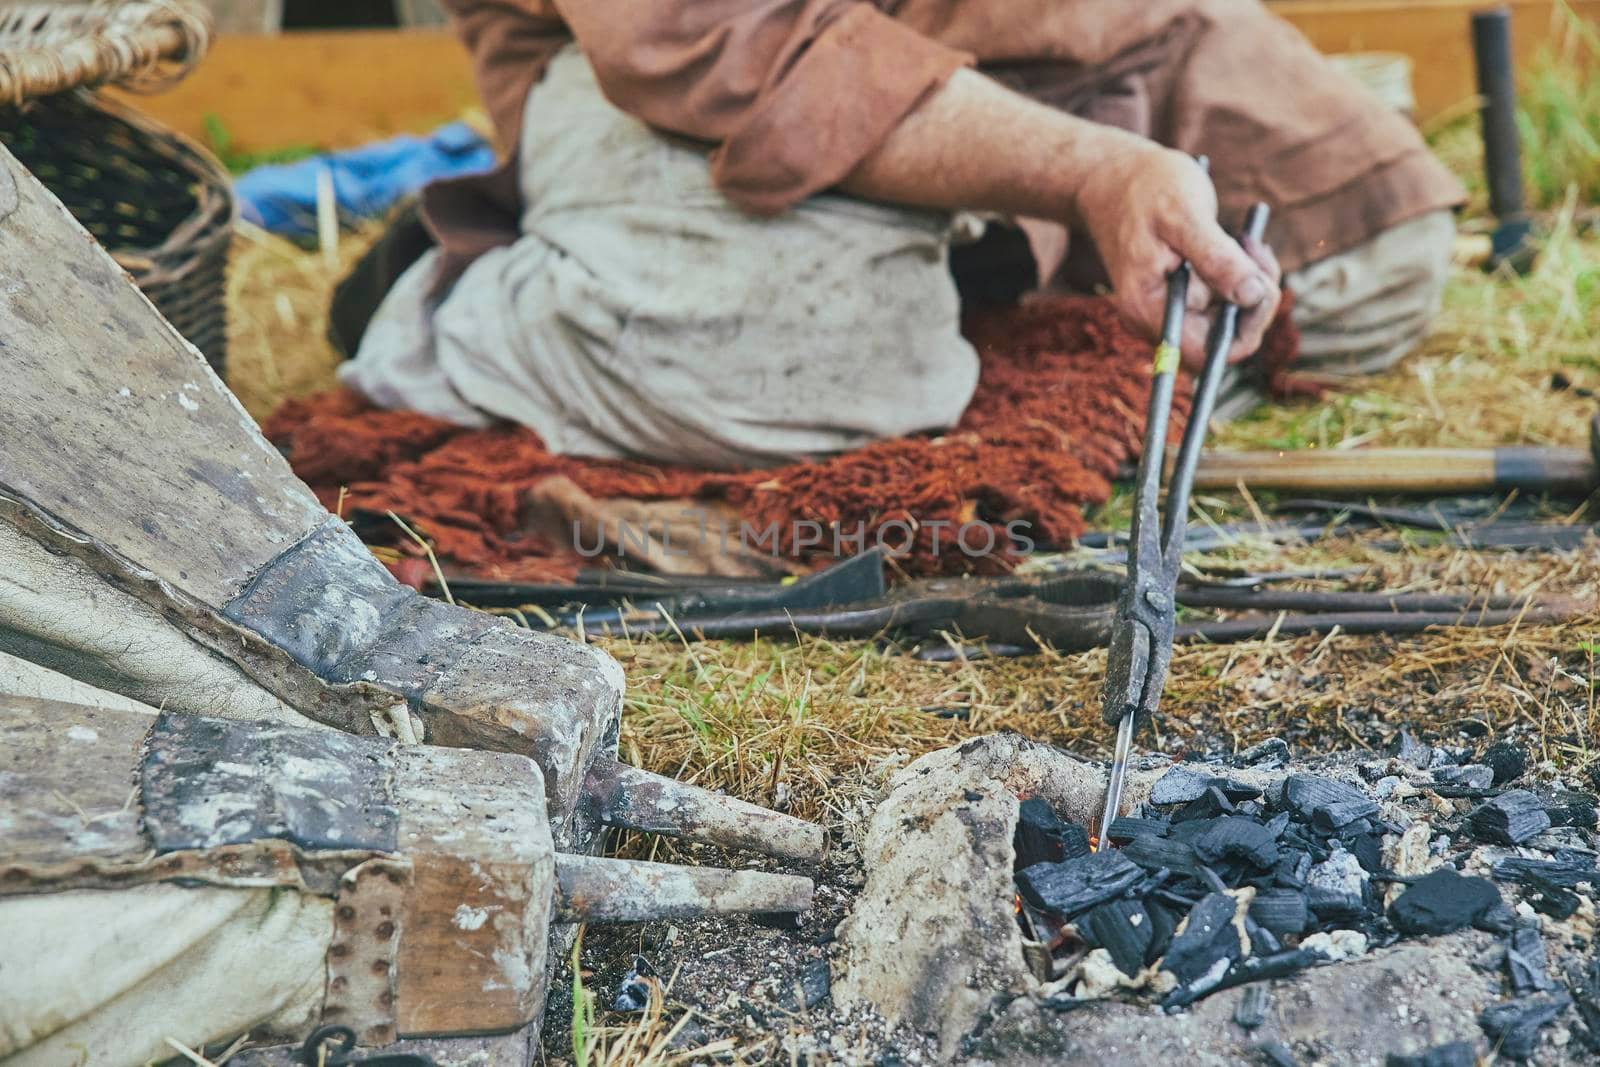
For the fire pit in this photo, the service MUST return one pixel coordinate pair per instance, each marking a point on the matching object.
(1423, 907)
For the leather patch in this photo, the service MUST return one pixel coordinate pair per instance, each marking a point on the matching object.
(208, 782)
(337, 612)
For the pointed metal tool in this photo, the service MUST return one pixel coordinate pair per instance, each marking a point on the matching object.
(1141, 639)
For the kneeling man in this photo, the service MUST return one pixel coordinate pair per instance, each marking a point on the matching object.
(724, 234)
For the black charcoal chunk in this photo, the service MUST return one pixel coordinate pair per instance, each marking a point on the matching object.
(1208, 805)
(1293, 868)
(1408, 749)
(1551, 899)
(1305, 793)
(1163, 922)
(1298, 837)
(1367, 848)
(1180, 785)
(813, 986)
(1442, 901)
(1583, 854)
(633, 992)
(1568, 871)
(1335, 888)
(1283, 911)
(1127, 828)
(1510, 818)
(1156, 853)
(1268, 755)
(1212, 880)
(1246, 971)
(1525, 961)
(1515, 1024)
(1122, 928)
(1463, 792)
(1331, 817)
(1208, 945)
(1186, 830)
(1043, 837)
(1181, 897)
(1506, 759)
(1237, 839)
(1375, 770)
(1254, 1004)
(1236, 791)
(1276, 1054)
(1562, 839)
(1572, 809)
(1472, 776)
(1185, 783)
(1586, 996)
(1455, 1054)
(1263, 942)
(1278, 965)
(1077, 885)
(1499, 919)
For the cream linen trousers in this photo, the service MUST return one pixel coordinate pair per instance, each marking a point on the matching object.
(642, 315)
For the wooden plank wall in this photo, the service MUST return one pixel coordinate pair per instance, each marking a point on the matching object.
(334, 89)
(340, 89)
(1435, 34)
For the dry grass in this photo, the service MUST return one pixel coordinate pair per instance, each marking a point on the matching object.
(1483, 377)
(648, 1039)
(809, 724)
(278, 316)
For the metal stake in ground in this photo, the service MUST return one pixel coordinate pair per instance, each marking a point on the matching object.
(1141, 639)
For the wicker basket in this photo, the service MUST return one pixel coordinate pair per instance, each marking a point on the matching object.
(160, 204)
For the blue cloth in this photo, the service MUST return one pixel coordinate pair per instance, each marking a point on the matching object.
(367, 181)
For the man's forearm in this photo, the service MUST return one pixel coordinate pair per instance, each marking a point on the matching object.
(976, 145)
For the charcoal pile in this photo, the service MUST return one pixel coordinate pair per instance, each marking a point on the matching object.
(1227, 876)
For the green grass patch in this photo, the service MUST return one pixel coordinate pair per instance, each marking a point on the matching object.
(220, 140)
(1558, 114)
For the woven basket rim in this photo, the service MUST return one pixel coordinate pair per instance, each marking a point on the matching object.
(216, 208)
(137, 45)
(209, 226)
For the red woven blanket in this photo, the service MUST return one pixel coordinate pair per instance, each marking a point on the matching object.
(1059, 407)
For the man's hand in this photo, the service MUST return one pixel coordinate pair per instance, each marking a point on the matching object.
(1148, 209)
(977, 145)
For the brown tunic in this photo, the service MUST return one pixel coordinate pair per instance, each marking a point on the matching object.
(789, 95)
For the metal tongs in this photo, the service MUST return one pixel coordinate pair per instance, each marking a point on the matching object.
(1141, 637)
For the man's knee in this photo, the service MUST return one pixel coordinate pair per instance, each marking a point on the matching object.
(1362, 310)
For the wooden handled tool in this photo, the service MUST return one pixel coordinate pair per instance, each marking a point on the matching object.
(1409, 470)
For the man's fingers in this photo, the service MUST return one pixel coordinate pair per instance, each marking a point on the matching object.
(1263, 254)
(1196, 327)
(1222, 264)
(1141, 311)
(1253, 325)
